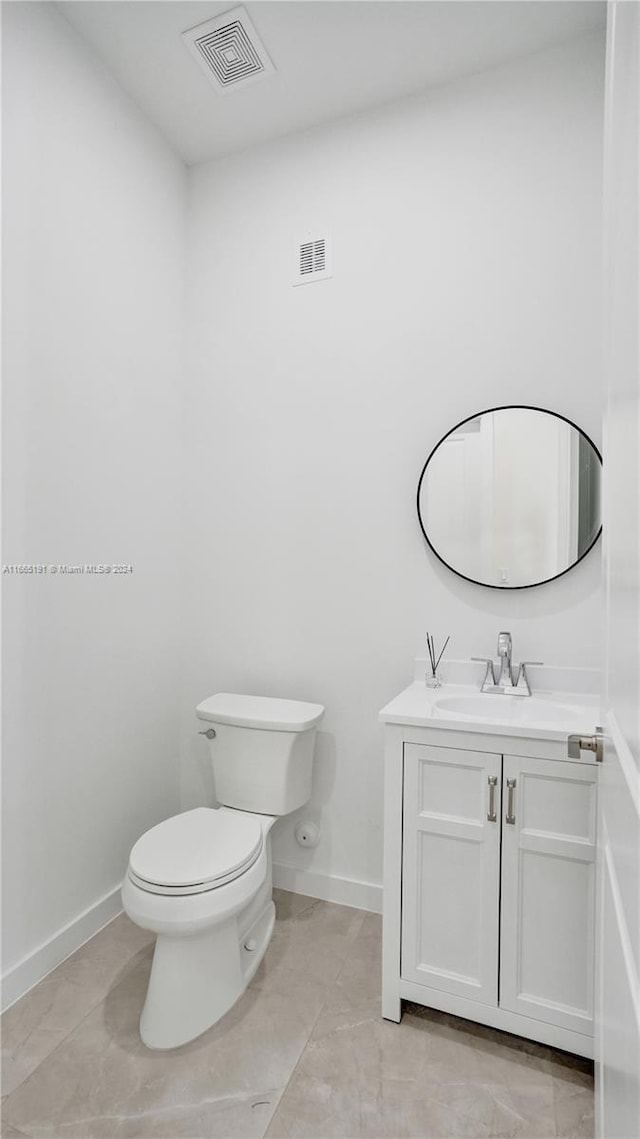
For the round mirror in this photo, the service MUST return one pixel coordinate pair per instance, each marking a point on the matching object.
(511, 497)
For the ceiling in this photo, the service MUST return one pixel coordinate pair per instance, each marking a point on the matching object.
(332, 57)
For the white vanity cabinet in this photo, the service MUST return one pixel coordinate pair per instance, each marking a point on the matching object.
(490, 880)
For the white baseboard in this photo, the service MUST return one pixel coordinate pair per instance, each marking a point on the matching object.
(344, 891)
(23, 976)
(33, 968)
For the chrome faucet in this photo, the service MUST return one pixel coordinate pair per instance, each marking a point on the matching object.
(505, 645)
(505, 684)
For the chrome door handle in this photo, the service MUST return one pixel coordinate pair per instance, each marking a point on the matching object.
(491, 813)
(510, 817)
(595, 743)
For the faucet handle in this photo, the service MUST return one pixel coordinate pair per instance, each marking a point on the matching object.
(522, 681)
(489, 676)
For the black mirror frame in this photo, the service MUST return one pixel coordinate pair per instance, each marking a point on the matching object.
(476, 415)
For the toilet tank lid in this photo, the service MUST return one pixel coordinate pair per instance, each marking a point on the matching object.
(268, 713)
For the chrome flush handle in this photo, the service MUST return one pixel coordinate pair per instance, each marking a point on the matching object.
(210, 733)
(594, 743)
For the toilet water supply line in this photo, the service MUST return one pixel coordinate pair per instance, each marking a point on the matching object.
(432, 680)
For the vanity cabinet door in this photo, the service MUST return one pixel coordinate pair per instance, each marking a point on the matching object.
(451, 867)
(548, 882)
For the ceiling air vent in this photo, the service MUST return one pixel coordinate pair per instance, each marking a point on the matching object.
(312, 260)
(229, 51)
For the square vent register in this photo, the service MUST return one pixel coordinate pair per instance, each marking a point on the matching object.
(229, 51)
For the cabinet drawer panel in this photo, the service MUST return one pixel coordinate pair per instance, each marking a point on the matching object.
(451, 783)
(558, 804)
(556, 901)
(449, 886)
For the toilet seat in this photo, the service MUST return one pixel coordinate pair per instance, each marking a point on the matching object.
(196, 851)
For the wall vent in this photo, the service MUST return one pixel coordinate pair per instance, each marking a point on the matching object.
(229, 50)
(312, 260)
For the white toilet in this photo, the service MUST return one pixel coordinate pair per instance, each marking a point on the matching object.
(202, 880)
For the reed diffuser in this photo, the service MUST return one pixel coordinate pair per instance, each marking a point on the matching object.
(432, 680)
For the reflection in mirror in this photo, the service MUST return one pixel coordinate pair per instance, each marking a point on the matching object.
(511, 497)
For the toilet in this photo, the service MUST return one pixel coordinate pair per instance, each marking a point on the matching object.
(202, 881)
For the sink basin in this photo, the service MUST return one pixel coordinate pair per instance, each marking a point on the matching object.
(516, 709)
(483, 706)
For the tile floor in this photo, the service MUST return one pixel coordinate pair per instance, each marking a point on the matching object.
(303, 1053)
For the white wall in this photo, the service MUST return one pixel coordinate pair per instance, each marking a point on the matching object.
(465, 237)
(618, 933)
(465, 229)
(622, 360)
(93, 252)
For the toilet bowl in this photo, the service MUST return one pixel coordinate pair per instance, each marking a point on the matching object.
(201, 880)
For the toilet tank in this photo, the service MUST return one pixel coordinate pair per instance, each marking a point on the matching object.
(262, 751)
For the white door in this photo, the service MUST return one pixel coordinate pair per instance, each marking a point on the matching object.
(451, 870)
(547, 914)
(618, 925)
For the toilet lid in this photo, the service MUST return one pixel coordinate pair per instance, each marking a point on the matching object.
(266, 712)
(195, 851)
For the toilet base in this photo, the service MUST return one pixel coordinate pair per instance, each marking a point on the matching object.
(195, 980)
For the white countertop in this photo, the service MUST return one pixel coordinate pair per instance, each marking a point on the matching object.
(544, 715)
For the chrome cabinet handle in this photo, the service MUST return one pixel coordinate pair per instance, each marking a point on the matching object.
(210, 733)
(510, 817)
(491, 813)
